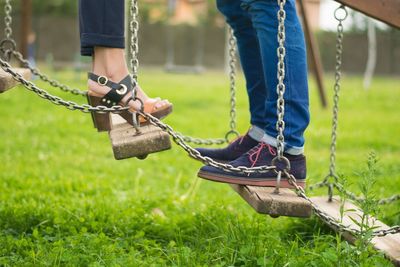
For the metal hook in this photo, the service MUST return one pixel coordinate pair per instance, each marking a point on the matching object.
(278, 182)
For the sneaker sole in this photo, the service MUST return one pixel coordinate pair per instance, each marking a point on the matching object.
(265, 182)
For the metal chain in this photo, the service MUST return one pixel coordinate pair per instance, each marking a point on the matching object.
(332, 169)
(338, 75)
(232, 44)
(8, 19)
(134, 62)
(45, 78)
(351, 195)
(134, 44)
(316, 186)
(202, 141)
(178, 139)
(336, 88)
(19, 57)
(55, 99)
(280, 88)
(7, 45)
(389, 200)
(332, 222)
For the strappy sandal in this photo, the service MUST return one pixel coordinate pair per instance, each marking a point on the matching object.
(114, 97)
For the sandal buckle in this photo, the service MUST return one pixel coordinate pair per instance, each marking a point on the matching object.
(102, 80)
(122, 90)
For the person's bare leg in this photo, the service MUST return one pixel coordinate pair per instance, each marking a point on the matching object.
(110, 62)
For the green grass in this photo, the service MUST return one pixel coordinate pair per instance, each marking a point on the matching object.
(64, 200)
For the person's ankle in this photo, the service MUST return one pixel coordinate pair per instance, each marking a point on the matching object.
(110, 62)
(112, 74)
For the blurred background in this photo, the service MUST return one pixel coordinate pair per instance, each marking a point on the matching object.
(190, 35)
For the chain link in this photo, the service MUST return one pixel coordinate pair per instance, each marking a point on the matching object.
(35, 71)
(134, 44)
(179, 140)
(332, 222)
(55, 99)
(352, 196)
(8, 19)
(336, 88)
(7, 45)
(280, 88)
(232, 44)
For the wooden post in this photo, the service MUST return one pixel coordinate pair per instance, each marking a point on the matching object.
(26, 25)
(313, 54)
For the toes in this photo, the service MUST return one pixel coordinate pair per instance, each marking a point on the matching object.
(161, 104)
(158, 105)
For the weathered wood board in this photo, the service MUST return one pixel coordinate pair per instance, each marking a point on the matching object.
(126, 143)
(265, 201)
(387, 11)
(389, 245)
(6, 80)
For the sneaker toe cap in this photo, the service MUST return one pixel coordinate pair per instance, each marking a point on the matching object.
(208, 169)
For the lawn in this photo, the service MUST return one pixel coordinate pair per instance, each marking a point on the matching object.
(65, 201)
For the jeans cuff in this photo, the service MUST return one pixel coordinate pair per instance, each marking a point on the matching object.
(291, 150)
(256, 133)
(95, 39)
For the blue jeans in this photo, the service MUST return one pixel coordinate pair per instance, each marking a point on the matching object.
(101, 23)
(255, 25)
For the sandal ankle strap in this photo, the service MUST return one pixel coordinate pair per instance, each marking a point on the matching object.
(118, 90)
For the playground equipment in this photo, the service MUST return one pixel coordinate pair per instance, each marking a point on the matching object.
(273, 201)
(7, 82)
(126, 143)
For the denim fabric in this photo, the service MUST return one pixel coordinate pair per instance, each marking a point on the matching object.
(101, 23)
(255, 25)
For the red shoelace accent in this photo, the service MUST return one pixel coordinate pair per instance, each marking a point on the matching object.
(240, 138)
(255, 152)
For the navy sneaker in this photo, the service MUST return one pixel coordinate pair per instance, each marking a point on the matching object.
(233, 151)
(261, 155)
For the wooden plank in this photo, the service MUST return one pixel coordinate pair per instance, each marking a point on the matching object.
(126, 143)
(387, 11)
(6, 80)
(265, 201)
(389, 245)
